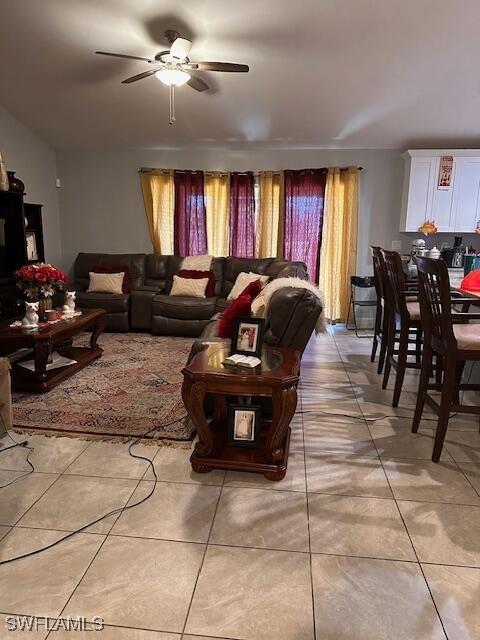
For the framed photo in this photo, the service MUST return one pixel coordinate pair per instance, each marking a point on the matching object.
(445, 173)
(32, 252)
(244, 425)
(248, 336)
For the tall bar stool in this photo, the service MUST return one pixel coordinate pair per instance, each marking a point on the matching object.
(404, 313)
(360, 282)
(450, 337)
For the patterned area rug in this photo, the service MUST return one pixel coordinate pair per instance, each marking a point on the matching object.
(134, 386)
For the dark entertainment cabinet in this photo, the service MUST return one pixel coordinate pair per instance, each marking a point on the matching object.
(20, 229)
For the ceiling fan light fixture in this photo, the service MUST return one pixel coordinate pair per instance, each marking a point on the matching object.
(172, 76)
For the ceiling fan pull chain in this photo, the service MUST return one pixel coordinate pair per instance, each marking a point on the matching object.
(172, 104)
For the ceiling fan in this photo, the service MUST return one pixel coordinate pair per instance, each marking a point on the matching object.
(174, 68)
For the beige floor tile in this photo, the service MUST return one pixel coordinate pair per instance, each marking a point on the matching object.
(31, 629)
(201, 638)
(463, 446)
(456, 593)
(253, 594)
(49, 455)
(347, 438)
(352, 526)
(73, 501)
(19, 496)
(173, 464)
(337, 473)
(115, 633)
(400, 442)
(4, 531)
(41, 584)
(443, 533)
(141, 583)
(259, 518)
(174, 512)
(472, 471)
(112, 460)
(294, 479)
(370, 599)
(430, 481)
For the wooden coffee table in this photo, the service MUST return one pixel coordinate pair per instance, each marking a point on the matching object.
(47, 339)
(276, 378)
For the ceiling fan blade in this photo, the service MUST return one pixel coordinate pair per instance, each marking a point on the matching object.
(222, 66)
(180, 49)
(122, 55)
(197, 83)
(139, 76)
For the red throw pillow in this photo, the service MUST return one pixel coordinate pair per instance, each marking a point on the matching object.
(115, 268)
(198, 275)
(253, 289)
(471, 281)
(241, 307)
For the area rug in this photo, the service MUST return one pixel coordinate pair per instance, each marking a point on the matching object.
(132, 388)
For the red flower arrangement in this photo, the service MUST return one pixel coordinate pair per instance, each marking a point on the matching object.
(39, 280)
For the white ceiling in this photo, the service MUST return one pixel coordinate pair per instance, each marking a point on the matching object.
(324, 73)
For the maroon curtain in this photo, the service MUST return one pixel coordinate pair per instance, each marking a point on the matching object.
(242, 215)
(190, 216)
(304, 197)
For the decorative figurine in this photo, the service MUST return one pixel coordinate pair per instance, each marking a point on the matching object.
(69, 306)
(30, 320)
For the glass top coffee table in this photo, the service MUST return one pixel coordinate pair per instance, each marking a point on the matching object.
(275, 378)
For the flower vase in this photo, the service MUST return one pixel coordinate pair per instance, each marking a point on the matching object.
(43, 305)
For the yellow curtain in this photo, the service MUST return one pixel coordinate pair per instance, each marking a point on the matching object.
(159, 197)
(217, 205)
(268, 224)
(339, 241)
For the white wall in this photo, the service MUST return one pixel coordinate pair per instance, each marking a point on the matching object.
(102, 207)
(34, 162)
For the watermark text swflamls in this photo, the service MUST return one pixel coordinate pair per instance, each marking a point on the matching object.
(69, 623)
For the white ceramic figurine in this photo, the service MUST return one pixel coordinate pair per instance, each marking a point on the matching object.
(30, 320)
(69, 306)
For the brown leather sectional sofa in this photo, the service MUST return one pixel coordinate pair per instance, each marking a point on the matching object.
(292, 313)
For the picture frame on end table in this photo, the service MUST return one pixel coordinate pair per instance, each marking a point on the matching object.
(244, 425)
(247, 338)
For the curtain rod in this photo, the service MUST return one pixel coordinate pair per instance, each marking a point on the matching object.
(242, 173)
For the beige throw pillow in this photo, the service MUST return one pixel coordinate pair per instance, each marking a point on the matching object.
(105, 282)
(189, 287)
(243, 280)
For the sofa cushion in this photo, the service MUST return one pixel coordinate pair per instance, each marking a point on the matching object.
(194, 287)
(86, 262)
(105, 282)
(115, 268)
(234, 266)
(239, 308)
(198, 275)
(111, 302)
(183, 307)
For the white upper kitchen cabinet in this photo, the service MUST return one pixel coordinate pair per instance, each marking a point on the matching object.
(452, 209)
(466, 195)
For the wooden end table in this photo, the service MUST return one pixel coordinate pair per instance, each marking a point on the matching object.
(44, 341)
(276, 378)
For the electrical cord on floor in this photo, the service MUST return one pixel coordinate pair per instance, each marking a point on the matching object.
(16, 444)
(120, 510)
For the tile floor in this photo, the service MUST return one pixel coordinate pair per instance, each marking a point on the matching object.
(365, 538)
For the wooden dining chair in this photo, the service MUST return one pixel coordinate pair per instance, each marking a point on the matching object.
(448, 335)
(403, 324)
(381, 316)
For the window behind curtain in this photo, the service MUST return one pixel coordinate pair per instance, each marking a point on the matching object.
(304, 201)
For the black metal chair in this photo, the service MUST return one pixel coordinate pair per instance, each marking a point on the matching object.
(360, 282)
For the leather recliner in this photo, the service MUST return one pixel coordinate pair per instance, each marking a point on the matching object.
(117, 306)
